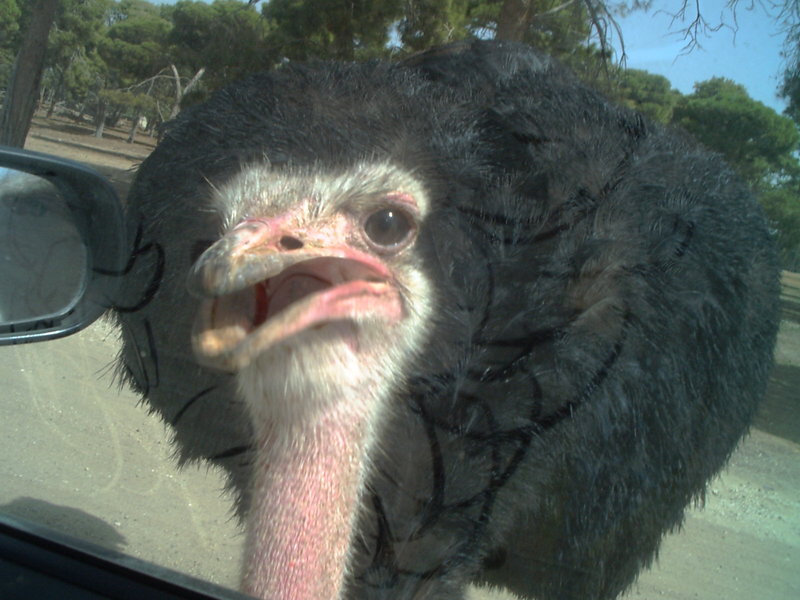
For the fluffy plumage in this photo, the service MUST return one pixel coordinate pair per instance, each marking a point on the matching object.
(603, 307)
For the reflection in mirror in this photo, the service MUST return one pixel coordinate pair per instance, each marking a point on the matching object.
(43, 261)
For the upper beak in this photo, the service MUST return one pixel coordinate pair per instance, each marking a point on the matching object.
(250, 253)
(257, 293)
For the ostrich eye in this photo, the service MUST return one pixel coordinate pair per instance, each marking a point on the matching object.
(388, 227)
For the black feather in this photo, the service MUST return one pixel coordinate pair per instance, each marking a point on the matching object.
(609, 301)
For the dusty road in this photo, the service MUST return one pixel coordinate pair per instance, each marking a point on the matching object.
(83, 457)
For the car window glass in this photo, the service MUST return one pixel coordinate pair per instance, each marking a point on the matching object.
(83, 456)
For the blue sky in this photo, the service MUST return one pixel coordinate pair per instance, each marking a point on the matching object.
(750, 55)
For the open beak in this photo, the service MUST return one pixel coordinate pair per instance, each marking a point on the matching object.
(258, 293)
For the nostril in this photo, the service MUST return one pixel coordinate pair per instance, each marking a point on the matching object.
(290, 243)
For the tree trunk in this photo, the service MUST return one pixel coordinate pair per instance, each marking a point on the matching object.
(52, 108)
(515, 18)
(81, 112)
(138, 115)
(132, 135)
(112, 120)
(26, 76)
(100, 119)
(58, 92)
(181, 92)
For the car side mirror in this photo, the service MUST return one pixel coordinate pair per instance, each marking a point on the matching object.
(63, 246)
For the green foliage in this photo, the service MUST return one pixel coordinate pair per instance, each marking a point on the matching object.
(226, 37)
(130, 101)
(782, 205)
(132, 9)
(428, 23)
(10, 14)
(79, 25)
(130, 41)
(790, 88)
(73, 65)
(137, 51)
(650, 94)
(119, 54)
(332, 29)
(73, 82)
(347, 30)
(560, 29)
(758, 142)
(134, 45)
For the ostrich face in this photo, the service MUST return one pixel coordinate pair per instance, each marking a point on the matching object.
(317, 278)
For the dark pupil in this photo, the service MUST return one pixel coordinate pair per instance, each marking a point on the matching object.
(387, 227)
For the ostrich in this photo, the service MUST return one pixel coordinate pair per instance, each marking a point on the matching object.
(448, 320)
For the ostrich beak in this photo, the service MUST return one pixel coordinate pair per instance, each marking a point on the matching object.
(259, 289)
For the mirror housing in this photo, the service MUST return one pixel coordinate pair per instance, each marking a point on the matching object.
(92, 247)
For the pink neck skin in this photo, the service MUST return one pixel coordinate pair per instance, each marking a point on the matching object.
(304, 505)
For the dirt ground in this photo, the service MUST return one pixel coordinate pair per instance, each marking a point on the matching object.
(82, 457)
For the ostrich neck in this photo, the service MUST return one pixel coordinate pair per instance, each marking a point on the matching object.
(307, 485)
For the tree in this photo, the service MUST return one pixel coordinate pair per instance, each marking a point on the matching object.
(334, 29)
(181, 90)
(9, 28)
(790, 88)
(228, 39)
(347, 30)
(20, 100)
(73, 63)
(560, 28)
(225, 39)
(782, 205)
(648, 93)
(135, 43)
(135, 51)
(9, 37)
(758, 142)
(427, 23)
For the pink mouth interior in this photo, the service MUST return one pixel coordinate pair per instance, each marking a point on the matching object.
(292, 289)
(236, 327)
(304, 279)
